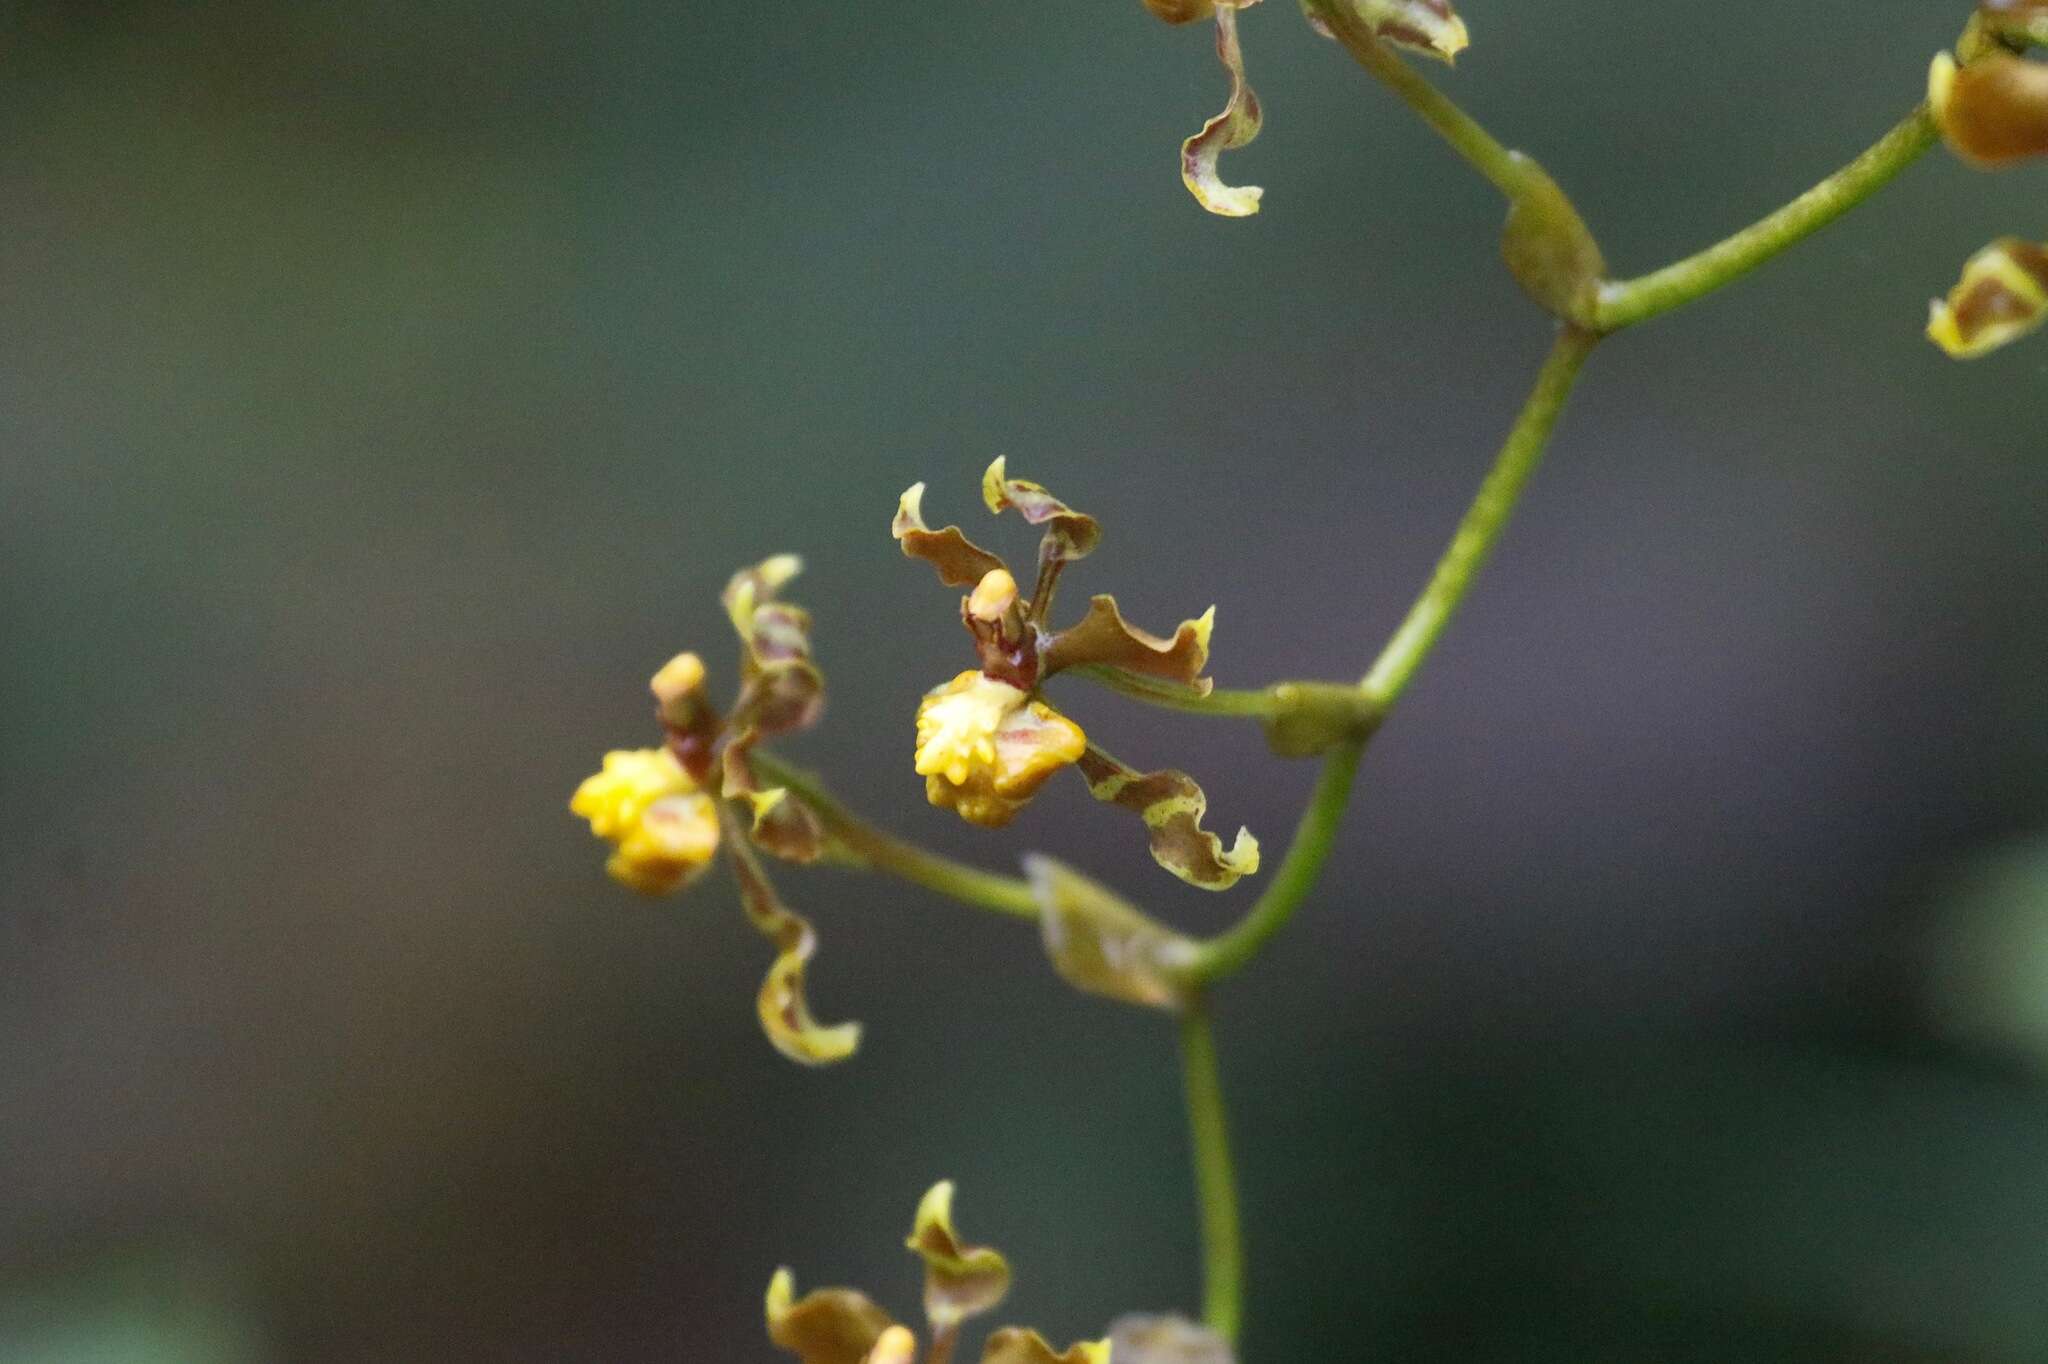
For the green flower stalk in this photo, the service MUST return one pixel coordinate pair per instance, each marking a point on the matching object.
(991, 739)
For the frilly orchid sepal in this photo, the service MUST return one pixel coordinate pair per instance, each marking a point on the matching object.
(1235, 127)
(1172, 806)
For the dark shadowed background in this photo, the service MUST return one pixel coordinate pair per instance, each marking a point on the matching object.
(386, 389)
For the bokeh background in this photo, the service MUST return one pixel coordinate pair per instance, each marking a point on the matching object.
(389, 388)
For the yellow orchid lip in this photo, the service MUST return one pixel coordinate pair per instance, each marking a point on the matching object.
(663, 829)
(984, 747)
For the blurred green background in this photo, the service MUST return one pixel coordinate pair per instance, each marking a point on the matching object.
(389, 388)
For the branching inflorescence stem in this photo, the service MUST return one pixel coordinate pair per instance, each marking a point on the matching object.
(1335, 720)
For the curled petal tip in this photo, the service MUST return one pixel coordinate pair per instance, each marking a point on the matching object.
(1236, 126)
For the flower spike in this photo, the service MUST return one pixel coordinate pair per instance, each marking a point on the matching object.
(1236, 126)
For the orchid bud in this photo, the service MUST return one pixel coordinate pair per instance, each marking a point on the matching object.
(2002, 296)
(1992, 112)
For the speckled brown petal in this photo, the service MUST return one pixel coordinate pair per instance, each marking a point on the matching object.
(1237, 125)
(959, 561)
(1172, 806)
(1100, 944)
(778, 823)
(781, 689)
(1014, 1345)
(1104, 636)
(785, 1016)
(1069, 534)
(825, 1326)
(960, 1281)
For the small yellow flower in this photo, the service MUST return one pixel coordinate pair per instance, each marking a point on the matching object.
(985, 747)
(664, 831)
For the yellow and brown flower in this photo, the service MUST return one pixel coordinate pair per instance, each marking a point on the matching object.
(984, 747)
(988, 739)
(2003, 295)
(668, 811)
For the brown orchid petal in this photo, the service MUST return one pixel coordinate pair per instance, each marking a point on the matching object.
(1237, 125)
(781, 689)
(779, 823)
(1103, 636)
(959, 561)
(785, 1014)
(1069, 535)
(960, 1281)
(1102, 945)
(1172, 806)
(825, 1326)
(1013, 1345)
